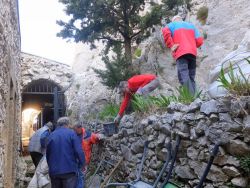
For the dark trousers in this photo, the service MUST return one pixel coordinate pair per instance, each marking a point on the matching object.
(186, 69)
(68, 180)
(36, 157)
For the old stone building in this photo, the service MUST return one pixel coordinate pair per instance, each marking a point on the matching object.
(44, 88)
(10, 97)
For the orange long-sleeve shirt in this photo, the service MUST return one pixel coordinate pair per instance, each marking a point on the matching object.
(88, 139)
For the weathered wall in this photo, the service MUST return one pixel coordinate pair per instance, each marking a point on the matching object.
(201, 125)
(10, 98)
(35, 68)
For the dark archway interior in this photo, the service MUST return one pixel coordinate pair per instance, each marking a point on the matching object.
(40, 95)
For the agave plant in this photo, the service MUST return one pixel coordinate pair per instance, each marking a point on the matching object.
(236, 84)
(185, 96)
(141, 103)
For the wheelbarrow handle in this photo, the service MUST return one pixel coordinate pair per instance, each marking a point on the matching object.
(209, 164)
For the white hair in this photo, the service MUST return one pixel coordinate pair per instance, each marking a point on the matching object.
(176, 17)
(63, 121)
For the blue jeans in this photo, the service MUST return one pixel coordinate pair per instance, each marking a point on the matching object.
(186, 69)
(80, 179)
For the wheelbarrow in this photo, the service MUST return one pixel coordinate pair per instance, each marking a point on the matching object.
(138, 182)
(168, 184)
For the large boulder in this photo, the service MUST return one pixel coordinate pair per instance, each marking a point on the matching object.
(237, 60)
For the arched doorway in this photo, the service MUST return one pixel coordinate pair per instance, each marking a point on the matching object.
(42, 101)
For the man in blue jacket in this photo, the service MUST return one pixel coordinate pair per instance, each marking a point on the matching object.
(64, 155)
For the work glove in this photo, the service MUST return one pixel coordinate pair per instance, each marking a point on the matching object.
(140, 91)
(117, 119)
(101, 136)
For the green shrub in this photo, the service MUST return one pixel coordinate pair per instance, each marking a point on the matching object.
(118, 68)
(109, 112)
(184, 96)
(245, 164)
(202, 14)
(236, 84)
(138, 52)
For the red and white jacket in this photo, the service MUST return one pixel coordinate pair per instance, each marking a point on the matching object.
(185, 34)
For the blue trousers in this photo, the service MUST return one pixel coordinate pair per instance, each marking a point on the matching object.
(68, 180)
(186, 70)
(80, 179)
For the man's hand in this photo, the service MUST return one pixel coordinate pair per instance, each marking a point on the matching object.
(174, 47)
(101, 136)
(139, 91)
(117, 119)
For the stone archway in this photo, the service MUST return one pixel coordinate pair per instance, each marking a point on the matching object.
(42, 101)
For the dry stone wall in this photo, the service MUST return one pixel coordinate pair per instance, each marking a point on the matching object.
(10, 97)
(201, 125)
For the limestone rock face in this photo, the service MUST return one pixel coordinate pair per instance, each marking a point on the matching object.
(237, 60)
(87, 94)
(222, 39)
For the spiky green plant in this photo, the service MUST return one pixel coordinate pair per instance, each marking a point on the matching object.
(236, 84)
(109, 112)
(147, 103)
(141, 103)
(185, 96)
(161, 101)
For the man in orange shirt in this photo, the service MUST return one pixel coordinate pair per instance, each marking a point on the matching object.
(87, 139)
(139, 84)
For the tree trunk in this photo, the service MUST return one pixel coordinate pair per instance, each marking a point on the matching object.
(128, 52)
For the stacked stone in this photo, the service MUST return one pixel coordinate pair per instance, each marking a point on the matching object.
(201, 125)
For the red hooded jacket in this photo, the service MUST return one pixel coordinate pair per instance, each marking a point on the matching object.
(185, 34)
(134, 83)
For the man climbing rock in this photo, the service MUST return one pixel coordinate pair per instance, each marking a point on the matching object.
(37, 142)
(183, 38)
(139, 84)
(64, 155)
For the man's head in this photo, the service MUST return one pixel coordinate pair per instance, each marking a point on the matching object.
(78, 128)
(49, 125)
(63, 121)
(177, 18)
(123, 87)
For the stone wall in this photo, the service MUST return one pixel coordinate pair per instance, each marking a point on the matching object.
(10, 98)
(201, 125)
(35, 68)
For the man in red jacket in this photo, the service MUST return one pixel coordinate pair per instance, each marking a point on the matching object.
(140, 84)
(183, 38)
